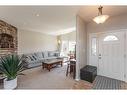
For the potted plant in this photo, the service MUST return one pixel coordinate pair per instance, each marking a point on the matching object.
(11, 66)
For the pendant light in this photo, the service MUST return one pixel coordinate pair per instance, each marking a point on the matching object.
(100, 18)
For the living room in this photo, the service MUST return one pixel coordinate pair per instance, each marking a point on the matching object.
(49, 37)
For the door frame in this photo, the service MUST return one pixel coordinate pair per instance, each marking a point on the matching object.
(90, 35)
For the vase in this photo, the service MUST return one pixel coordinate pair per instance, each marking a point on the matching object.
(10, 84)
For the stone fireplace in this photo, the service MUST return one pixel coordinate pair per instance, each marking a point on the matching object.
(8, 39)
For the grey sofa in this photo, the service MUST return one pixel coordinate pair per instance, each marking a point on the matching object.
(36, 59)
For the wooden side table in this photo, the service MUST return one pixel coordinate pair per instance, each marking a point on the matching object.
(71, 68)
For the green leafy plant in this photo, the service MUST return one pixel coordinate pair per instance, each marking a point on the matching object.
(11, 66)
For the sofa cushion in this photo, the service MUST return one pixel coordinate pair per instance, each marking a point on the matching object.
(51, 54)
(30, 57)
(34, 57)
(35, 62)
(39, 55)
(57, 54)
(34, 65)
(51, 57)
(45, 54)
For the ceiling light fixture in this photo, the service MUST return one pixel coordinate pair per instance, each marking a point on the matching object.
(100, 18)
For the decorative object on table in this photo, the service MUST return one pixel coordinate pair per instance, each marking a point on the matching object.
(88, 73)
(100, 18)
(11, 66)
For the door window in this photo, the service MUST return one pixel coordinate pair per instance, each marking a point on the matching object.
(94, 46)
(110, 38)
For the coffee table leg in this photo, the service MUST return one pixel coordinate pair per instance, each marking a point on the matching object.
(61, 64)
(43, 66)
(49, 67)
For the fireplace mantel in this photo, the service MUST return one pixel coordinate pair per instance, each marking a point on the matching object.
(8, 38)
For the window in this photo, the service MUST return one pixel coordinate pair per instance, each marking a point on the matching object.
(68, 47)
(64, 48)
(110, 38)
(72, 46)
(94, 46)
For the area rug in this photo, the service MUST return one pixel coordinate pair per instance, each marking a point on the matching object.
(102, 82)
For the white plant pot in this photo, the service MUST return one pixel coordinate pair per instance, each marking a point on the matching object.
(11, 84)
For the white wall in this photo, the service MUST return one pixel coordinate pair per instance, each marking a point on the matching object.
(29, 42)
(81, 48)
(69, 36)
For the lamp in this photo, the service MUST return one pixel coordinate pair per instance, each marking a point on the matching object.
(100, 18)
(59, 41)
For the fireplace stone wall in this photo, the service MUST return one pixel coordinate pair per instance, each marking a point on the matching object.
(8, 39)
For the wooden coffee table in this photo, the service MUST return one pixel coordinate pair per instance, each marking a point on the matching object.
(49, 63)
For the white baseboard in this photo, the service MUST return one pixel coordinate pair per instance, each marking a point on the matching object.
(77, 79)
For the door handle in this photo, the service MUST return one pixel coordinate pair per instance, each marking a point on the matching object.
(99, 56)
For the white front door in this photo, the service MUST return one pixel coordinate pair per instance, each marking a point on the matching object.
(111, 55)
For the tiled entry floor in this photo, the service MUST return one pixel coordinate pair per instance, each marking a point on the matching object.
(102, 82)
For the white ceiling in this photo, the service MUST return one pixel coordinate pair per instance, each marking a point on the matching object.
(51, 20)
(89, 12)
